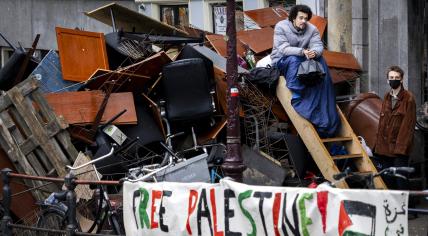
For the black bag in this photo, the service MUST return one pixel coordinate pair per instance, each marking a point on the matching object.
(265, 78)
(310, 72)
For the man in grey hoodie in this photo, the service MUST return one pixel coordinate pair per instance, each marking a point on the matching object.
(294, 41)
(295, 36)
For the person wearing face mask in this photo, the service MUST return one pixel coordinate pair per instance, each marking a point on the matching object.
(396, 127)
(296, 40)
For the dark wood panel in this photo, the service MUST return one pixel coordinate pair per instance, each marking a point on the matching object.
(340, 75)
(259, 40)
(266, 17)
(320, 23)
(82, 107)
(341, 60)
(219, 44)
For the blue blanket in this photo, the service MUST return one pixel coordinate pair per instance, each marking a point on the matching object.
(317, 103)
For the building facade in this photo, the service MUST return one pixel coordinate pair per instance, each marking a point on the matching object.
(383, 33)
(208, 15)
(21, 20)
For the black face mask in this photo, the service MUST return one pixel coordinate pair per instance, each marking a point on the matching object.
(394, 83)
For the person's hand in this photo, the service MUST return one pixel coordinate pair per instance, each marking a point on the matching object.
(309, 53)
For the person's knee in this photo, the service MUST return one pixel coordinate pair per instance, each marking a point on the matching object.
(295, 58)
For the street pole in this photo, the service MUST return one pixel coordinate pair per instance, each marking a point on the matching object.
(233, 165)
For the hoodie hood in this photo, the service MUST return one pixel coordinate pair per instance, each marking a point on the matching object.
(294, 30)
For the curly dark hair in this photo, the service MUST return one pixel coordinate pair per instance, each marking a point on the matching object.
(396, 69)
(295, 9)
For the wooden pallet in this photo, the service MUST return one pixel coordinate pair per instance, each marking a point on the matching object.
(316, 145)
(33, 137)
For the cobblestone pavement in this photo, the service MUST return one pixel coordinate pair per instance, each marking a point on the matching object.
(418, 226)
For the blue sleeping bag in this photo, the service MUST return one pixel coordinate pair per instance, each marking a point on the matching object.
(316, 103)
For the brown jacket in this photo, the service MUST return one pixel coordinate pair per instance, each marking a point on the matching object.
(396, 125)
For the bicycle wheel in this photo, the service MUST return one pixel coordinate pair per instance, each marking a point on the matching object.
(51, 218)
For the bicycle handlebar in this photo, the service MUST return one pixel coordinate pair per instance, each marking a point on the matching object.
(343, 174)
(391, 171)
(408, 170)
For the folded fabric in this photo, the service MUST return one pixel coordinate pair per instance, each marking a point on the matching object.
(310, 72)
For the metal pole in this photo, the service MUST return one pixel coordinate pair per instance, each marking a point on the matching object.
(7, 219)
(70, 197)
(233, 165)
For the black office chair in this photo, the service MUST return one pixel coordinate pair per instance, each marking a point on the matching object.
(187, 90)
(187, 98)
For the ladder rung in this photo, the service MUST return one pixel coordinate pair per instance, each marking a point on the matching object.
(338, 139)
(339, 157)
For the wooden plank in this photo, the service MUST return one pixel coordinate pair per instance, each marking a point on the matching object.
(17, 157)
(309, 135)
(128, 82)
(363, 164)
(130, 21)
(266, 17)
(64, 139)
(25, 88)
(81, 53)
(259, 40)
(81, 107)
(62, 135)
(337, 139)
(37, 129)
(348, 156)
(54, 154)
(28, 145)
(27, 133)
(53, 128)
(150, 67)
(219, 44)
(341, 60)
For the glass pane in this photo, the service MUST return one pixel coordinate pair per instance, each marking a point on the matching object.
(167, 15)
(183, 16)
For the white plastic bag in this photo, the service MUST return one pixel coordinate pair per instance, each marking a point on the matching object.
(366, 148)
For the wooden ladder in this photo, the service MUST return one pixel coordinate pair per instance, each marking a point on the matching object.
(316, 145)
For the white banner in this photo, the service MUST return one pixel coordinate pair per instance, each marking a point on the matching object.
(231, 208)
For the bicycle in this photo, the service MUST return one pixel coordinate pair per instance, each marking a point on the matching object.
(368, 178)
(55, 212)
